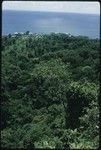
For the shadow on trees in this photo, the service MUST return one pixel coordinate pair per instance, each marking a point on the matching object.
(75, 107)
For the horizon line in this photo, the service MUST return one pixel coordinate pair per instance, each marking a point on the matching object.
(51, 11)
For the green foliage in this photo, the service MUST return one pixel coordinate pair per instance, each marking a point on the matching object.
(79, 96)
(50, 91)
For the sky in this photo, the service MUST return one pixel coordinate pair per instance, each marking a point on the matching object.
(56, 6)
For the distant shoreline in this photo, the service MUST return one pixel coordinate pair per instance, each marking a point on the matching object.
(47, 22)
(17, 34)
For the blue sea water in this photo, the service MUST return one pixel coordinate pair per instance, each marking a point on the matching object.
(47, 22)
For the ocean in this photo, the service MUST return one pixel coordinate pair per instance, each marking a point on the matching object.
(47, 22)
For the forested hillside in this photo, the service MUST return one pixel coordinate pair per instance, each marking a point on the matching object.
(50, 90)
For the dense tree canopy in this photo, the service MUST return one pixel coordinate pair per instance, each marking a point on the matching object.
(50, 90)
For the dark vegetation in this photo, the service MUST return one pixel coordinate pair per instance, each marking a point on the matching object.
(50, 88)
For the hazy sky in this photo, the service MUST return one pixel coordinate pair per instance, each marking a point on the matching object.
(56, 6)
